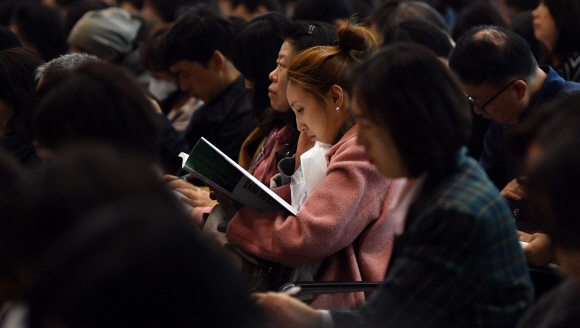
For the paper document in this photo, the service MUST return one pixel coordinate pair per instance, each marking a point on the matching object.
(217, 170)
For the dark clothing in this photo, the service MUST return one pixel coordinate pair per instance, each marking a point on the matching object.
(15, 142)
(559, 308)
(225, 121)
(458, 262)
(172, 143)
(500, 168)
(569, 70)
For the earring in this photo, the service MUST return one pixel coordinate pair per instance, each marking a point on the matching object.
(337, 108)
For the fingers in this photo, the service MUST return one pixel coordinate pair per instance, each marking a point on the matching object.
(511, 195)
(194, 196)
(525, 236)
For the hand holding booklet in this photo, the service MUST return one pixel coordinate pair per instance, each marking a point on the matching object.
(218, 171)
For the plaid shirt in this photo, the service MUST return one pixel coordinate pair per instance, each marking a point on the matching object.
(457, 264)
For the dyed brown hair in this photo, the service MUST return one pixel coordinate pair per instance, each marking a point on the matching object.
(317, 69)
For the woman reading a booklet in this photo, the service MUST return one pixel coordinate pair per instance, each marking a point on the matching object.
(343, 224)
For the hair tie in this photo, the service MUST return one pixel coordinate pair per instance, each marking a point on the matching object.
(335, 42)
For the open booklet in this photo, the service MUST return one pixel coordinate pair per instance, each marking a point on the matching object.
(217, 170)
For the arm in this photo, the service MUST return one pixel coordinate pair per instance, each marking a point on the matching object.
(351, 196)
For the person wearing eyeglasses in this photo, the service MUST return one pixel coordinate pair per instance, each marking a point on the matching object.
(503, 82)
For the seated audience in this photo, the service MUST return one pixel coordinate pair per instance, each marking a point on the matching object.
(556, 27)
(549, 142)
(503, 82)
(176, 104)
(342, 228)
(110, 34)
(114, 110)
(392, 12)
(479, 13)
(39, 29)
(172, 143)
(456, 258)
(110, 248)
(197, 50)
(248, 9)
(17, 68)
(334, 12)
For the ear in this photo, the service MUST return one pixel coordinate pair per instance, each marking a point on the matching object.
(521, 88)
(217, 61)
(337, 95)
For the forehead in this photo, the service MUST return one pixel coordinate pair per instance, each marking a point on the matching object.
(186, 66)
(479, 91)
(297, 95)
(286, 50)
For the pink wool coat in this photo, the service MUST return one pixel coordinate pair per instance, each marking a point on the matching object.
(345, 222)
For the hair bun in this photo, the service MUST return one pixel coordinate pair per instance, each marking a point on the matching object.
(357, 38)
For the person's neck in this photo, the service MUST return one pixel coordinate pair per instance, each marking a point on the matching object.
(535, 86)
(228, 76)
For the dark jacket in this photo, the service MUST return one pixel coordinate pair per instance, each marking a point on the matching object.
(225, 121)
(458, 262)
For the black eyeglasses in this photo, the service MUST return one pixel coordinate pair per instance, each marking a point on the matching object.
(492, 98)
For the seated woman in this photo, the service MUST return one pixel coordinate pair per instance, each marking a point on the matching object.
(556, 27)
(263, 165)
(344, 223)
(456, 260)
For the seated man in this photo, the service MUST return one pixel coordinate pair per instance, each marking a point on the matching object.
(549, 142)
(196, 50)
(503, 82)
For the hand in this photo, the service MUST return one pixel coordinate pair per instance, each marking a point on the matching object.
(538, 250)
(224, 200)
(285, 311)
(193, 196)
(515, 189)
(304, 145)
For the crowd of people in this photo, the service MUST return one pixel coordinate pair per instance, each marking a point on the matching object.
(428, 147)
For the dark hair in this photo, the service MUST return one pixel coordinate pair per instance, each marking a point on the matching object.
(523, 25)
(196, 35)
(150, 54)
(104, 229)
(566, 14)
(425, 111)
(254, 53)
(8, 39)
(305, 34)
(317, 69)
(77, 9)
(522, 5)
(554, 180)
(422, 32)
(479, 13)
(96, 102)
(252, 5)
(321, 10)
(168, 9)
(17, 78)
(392, 12)
(41, 26)
(493, 55)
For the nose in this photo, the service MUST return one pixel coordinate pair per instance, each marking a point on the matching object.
(273, 76)
(300, 125)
